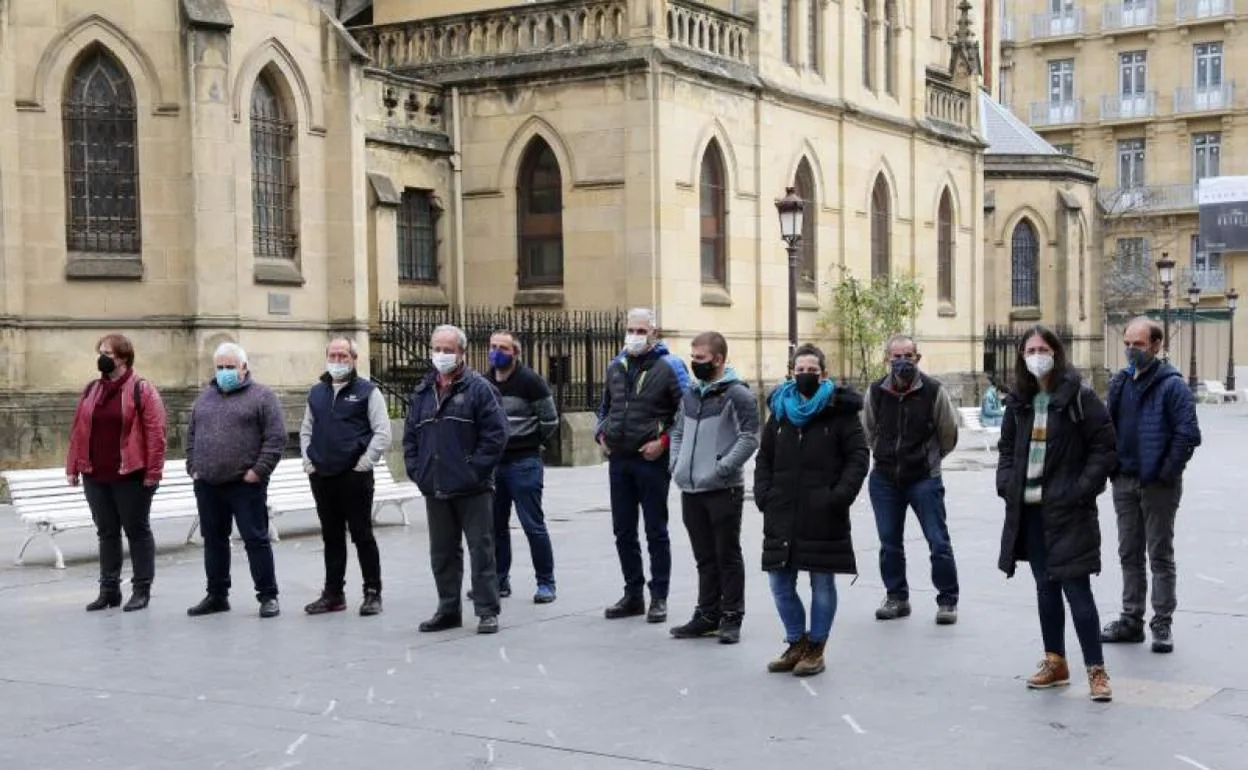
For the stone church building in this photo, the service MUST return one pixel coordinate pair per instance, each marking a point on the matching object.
(271, 172)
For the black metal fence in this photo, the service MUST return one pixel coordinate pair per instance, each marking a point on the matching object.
(570, 349)
(1001, 349)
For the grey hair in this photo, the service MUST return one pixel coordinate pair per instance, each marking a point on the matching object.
(893, 340)
(352, 348)
(644, 313)
(231, 349)
(461, 339)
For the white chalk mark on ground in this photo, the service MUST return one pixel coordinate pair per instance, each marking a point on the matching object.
(684, 691)
(103, 696)
(202, 697)
(294, 746)
(551, 734)
(1190, 761)
(298, 700)
(541, 668)
(371, 695)
(853, 724)
(1208, 579)
(333, 704)
(502, 653)
(809, 689)
(489, 748)
(408, 656)
(390, 671)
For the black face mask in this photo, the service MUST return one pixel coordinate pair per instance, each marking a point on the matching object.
(807, 383)
(704, 370)
(105, 364)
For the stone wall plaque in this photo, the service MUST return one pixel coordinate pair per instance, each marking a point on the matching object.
(279, 303)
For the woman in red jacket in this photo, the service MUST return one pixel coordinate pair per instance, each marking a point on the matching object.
(117, 447)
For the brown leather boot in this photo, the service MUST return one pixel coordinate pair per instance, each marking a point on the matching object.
(1098, 684)
(812, 662)
(789, 659)
(1053, 672)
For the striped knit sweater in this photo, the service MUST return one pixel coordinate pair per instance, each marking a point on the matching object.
(1033, 492)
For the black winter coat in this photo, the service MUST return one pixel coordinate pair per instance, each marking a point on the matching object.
(1078, 459)
(805, 480)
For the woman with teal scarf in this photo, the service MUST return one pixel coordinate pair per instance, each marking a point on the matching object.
(811, 464)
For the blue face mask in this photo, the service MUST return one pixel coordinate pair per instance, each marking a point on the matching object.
(1139, 359)
(501, 360)
(228, 379)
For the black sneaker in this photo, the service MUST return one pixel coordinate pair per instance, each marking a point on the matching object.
(1123, 631)
(504, 588)
(628, 607)
(326, 603)
(441, 622)
(209, 605)
(269, 608)
(946, 614)
(730, 628)
(372, 604)
(488, 625)
(658, 611)
(698, 626)
(892, 609)
(1163, 642)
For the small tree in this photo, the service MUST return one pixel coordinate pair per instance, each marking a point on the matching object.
(864, 315)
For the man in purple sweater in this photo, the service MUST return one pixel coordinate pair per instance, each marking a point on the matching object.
(233, 442)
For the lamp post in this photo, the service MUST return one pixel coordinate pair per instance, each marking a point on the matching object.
(790, 210)
(1193, 299)
(1232, 299)
(1165, 270)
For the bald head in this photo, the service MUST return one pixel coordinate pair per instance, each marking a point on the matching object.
(1144, 334)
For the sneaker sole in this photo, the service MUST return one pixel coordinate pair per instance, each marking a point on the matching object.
(947, 621)
(1052, 686)
(809, 671)
(1163, 649)
(656, 618)
(1101, 698)
(899, 616)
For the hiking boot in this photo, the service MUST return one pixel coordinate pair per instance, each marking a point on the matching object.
(730, 628)
(269, 608)
(812, 660)
(946, 614)
(627, 607)
(1163, 642)
(326, 603)
(107, 598)
(657, 612)
(789, 658)
(1052, 672)
(488, 624)
(371, 605)
(893, 609)
(545, 594)
(1098, 684)
(698, 626)
(208, 605)
(1123, 631)
(441, 621)
(139, 599)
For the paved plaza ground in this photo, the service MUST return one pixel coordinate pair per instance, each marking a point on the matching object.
(562, 688)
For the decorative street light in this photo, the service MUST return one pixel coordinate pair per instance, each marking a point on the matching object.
(1193, 299)
(1165, 268)
(790, 209)
(1232, 299)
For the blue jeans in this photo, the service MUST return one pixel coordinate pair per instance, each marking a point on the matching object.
(639, 482)
(220, 507)
(789, 604)
(890, 502)
(1049, 592)
(521, 481)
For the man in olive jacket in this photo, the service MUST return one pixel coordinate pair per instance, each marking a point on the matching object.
(714, 435)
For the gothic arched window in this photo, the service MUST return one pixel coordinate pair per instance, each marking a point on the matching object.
(539, 204)
(944, 248)
(1025, 266)
(712, 210)
(881, 222)
(274, 225)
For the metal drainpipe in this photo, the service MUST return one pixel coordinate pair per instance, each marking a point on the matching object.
(457, 187)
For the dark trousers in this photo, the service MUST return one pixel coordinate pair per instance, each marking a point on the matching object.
(890, 502)
(1146, 518)
(221, 506)
(120, 506)
(713, 520)
(639, 482)
(344, 503)
(451, 520)
(1049, 598)
(520, 481)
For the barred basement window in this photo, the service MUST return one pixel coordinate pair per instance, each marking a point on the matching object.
(274, 230)
(418, 259)
(101, 158)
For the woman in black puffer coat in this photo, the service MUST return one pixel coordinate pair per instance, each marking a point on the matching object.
(1057, 450)
(811, 464)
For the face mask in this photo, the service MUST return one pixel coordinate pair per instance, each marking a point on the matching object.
(105, 364)
(1039, 364)
(635, 343)
(904, 370)
(1139, 359)
(338, 371)
(500, 360)
(445, 363)
(703, 370)
(227, 380)
(807, 383)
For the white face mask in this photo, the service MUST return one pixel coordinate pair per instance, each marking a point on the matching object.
(337, 370)
(445, 363)
(635, 343)
(1039, 364)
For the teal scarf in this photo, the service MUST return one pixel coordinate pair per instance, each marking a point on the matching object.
(788, 404)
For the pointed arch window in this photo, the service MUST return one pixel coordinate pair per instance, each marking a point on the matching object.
(804, 182)
(539, 198)
(881, 222)
(1025, 266)
(274, 225)
(712, 209)
(101, 157)
(944, 248)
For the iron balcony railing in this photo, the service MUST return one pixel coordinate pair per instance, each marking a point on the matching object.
(1009, 31)
(1129, 106)
(1147, 198)
(1124, 15)
(1204, 98)
(1208, 279)
(1068, 21)
(1194, 10)
(1062, 113)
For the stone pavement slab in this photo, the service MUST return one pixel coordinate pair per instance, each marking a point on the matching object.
(561, 687)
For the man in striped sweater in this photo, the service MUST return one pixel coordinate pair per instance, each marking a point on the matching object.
(531, 419)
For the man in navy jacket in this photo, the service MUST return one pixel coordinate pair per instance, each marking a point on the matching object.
(453, 440)
(1154, 415)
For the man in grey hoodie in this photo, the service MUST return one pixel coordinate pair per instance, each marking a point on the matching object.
(715, 434)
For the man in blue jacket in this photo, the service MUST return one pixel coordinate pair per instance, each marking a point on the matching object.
(1154, 415)
(644, 387)
(453, 440)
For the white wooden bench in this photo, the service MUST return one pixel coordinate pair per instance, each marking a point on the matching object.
(289, 490)
(972, 423)
(1218, 392)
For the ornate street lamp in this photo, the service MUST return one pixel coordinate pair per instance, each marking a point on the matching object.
(790, 210)
(1232, 299)
(1193, 299)
(1165, 269)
